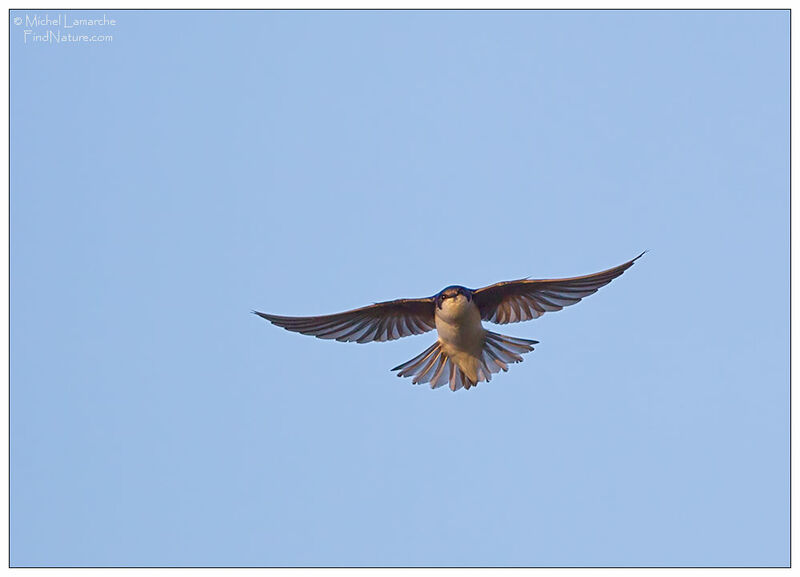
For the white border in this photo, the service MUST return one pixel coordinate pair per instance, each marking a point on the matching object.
(334, 4)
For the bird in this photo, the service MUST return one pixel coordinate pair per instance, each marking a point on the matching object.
(465, 353)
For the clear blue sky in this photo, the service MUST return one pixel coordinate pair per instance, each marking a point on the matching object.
(203, 164)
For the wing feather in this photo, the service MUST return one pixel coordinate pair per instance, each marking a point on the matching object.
(384, 321)
(522, 300)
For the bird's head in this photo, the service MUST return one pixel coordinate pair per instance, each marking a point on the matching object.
(453, 292)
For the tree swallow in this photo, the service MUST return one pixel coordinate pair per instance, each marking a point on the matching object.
(465, 353)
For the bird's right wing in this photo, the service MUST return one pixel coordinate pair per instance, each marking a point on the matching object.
(384, 321)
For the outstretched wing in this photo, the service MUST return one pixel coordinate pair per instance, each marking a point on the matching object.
(385, 321)
(523, 300)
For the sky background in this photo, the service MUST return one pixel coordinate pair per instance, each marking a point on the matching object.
(204, 164)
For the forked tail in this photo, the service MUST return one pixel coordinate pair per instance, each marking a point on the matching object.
(435, 367)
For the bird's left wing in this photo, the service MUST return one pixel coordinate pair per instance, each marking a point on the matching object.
(384, 321)
(522, 300)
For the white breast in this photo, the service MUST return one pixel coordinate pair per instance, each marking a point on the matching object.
(458, 323)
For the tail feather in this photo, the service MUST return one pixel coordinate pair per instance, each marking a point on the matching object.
(411, 367)
(434, 366)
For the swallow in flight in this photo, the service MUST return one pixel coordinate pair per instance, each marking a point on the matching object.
(465, 353)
